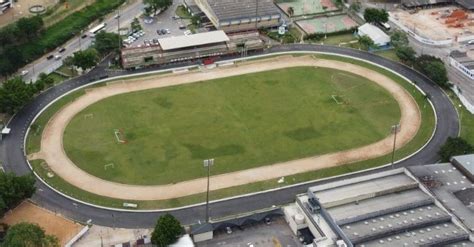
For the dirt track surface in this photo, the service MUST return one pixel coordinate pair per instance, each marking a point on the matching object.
(52, 224)
(52, 140)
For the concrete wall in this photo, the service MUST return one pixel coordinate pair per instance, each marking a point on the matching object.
(203, 236)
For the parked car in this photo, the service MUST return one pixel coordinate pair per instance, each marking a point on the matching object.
(50, 57)
(24, 72)
(181, 26)
(57, 57)
(62, 50)
(84, 36)
(175, 17)
(187, 32)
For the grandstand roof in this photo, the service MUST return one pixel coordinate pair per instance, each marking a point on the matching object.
(192, 40)
(468, 4)
(232, 9)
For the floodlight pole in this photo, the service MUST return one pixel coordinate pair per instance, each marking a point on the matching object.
(208, 163)
(395, 129)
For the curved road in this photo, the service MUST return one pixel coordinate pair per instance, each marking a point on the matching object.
(11, 150)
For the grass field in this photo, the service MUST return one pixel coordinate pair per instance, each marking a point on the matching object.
(422, 136)
(242, 122)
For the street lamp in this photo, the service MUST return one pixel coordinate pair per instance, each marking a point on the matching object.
(208, 163)
(395, 129)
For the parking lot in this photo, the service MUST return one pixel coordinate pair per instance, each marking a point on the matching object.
(163, 25)
(277, 233)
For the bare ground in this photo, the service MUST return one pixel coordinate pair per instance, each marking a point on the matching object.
(52, 224)
(53, 153)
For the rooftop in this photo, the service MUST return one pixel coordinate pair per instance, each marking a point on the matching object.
(192, 40)
(466, 161)
(232, 9)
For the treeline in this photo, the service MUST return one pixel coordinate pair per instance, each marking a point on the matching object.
(14, 189)
(430, 66)
(28, 39)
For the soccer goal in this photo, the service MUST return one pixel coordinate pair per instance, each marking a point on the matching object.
(120, 136)
(108, 166)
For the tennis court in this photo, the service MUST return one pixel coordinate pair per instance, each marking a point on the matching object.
(306, 7)
(327, 24)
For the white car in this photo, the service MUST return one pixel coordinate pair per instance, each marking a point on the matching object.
(24, 72)
(187, 32)
(470, 42)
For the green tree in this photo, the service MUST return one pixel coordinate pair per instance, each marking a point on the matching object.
(14, 94)
(107, 42)
(14, 189)
(167, 231)
(433, 68)
(454, 146)
(291, 11)
(355, 6)
(28, 235)
(373, 15)
(29, 27)
(406, 54)
(365, 42)
(86, 59)
(399, 39)
(153, 6)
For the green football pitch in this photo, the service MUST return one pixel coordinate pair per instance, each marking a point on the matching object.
(161, 136)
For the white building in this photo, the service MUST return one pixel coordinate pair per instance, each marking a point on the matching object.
(4, 5)
(463, 62)
(378, 36)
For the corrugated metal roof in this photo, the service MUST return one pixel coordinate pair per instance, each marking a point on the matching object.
(184, 41)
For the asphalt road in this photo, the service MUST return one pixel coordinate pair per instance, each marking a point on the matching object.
(43, 65)
(11, 151)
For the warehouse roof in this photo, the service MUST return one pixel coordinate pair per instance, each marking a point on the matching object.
(378, 36)
(232, 9)
(192, 40)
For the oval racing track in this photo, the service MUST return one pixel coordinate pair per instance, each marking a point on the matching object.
(12, 154)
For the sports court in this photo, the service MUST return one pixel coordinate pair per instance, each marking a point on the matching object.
(306, 7)
(327, 24)
(437, 23)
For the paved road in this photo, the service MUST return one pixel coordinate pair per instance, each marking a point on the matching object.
(11, 149)
(43, 65)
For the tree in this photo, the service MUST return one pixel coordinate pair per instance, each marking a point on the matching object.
(372, 15)
(399, 39)
(433, 68)
(107, 42)
(153, 6)
(28, 235)
(406, 54)
(355, 6)
(167, 231)
(291, 11)
(86, 59)
(365, 42)
(14, 94)
(29, 27)
(454, 146)
(14, 189)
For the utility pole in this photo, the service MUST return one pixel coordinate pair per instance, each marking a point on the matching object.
(118, 28)
(208, 163)
(256, 15)
(395, 129)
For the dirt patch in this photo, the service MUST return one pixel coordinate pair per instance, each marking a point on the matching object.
(53, 224)
(53, 153)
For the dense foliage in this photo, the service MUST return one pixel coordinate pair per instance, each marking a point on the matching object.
(373, 15)
(86, 59)
(432, 67)
(153, 6)
(365, 42)
(167, 231)
(28, 235)
(107, 42)
(14, 93)
(14, 189)
(455, 146)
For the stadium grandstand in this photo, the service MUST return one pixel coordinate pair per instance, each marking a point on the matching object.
(467, 4)
(199, 46)
(236, 16)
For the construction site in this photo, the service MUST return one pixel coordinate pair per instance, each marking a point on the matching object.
(446, 23)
